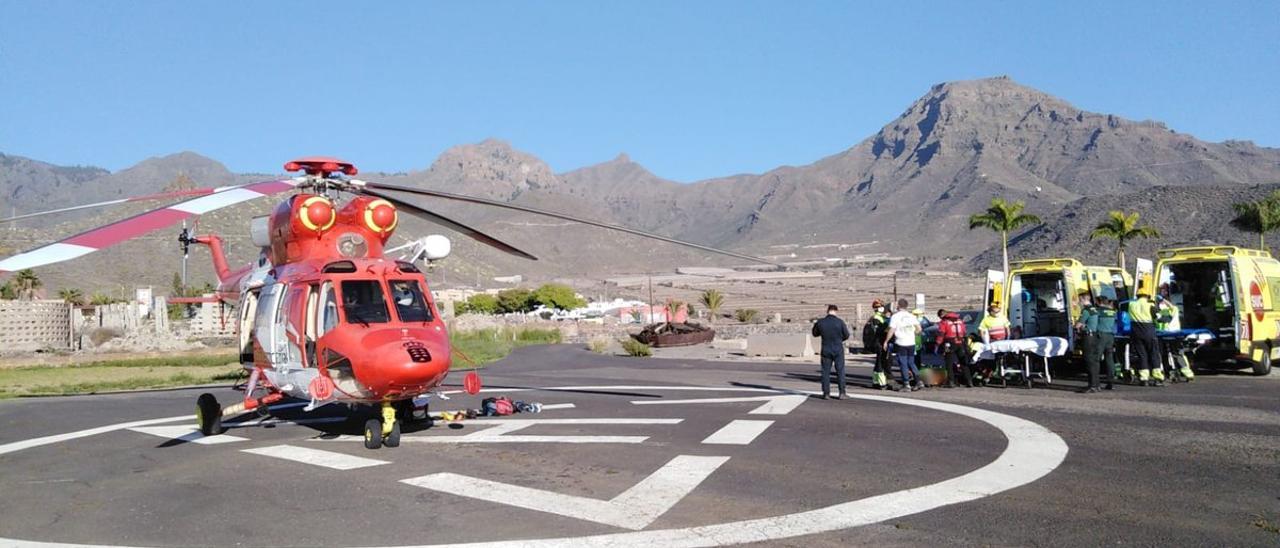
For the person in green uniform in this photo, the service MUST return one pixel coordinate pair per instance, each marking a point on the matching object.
(1087, 330)
(1106, 342)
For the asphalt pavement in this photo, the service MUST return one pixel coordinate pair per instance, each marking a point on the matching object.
(633, 451)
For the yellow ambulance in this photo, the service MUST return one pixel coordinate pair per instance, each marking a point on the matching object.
(1233, 292)
(1040, 298)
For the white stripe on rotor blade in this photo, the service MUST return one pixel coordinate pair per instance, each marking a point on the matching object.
(186, 433)
(739, 432)
(41, 256)
(327, 459)
(205, 204)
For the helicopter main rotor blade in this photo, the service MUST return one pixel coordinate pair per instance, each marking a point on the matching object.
(108, 235)
(452, 225)
(143, 198)
(561, 216)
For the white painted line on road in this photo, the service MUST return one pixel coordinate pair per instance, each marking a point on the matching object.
(552, 406)
(774, 405)
(37, 442)
(634, 509)
(499, 430)
(186, 433)
(327, 459)
(738, 432)
(1033, 451)
(780, 405)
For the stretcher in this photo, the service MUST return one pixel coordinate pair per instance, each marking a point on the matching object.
(1176, 349)
(1006, 354)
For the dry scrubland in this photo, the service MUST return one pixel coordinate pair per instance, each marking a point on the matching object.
(800, 297)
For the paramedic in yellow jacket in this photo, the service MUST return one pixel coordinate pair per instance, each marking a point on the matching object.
(994, 327)
(1142, 335)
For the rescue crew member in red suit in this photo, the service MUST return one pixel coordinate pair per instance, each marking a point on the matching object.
(953, 344)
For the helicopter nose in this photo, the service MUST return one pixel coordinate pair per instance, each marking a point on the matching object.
(407, 366)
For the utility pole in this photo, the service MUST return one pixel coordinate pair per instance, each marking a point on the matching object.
(185, 254)
(650, 298)
(895, 288)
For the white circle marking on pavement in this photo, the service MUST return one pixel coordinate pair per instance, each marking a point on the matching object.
(1032, 453)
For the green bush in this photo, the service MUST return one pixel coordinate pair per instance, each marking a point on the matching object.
(636, 348)
(537, 336)
(746, 315)
(480, 303)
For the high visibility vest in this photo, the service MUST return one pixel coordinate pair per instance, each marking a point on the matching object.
(1140, 311)
(1219, 298)
(1174, 324)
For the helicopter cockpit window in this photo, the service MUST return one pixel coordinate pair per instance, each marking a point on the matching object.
(329, 310)
(363, 302)
(410, 304)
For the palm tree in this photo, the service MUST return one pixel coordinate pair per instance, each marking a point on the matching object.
(673, 308)
(1003, 217)
(1122, 227)
(1259, 217)
(713, 300)
(71, 295)
(27, 283)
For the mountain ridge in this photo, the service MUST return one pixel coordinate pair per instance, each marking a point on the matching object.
(907, 189)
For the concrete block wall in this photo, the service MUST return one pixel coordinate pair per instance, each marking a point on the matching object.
(35, 325)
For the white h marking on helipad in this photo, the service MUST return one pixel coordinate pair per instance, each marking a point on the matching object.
(186, 433)
(634, 509)
(739, 432)
(774, 405)
(327, 459)
(499, 431)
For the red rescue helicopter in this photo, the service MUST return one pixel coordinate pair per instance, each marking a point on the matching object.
(324, 315)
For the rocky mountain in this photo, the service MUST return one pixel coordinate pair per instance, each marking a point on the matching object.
(27, 184)
(908, 189)
(919, 178)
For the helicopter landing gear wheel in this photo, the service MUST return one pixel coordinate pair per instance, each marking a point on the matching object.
(373, 434)
(208, 415)
(393, 439)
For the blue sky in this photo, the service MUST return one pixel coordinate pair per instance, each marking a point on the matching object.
(689, 89)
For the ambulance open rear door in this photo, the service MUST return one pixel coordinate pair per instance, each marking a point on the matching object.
(995, 292)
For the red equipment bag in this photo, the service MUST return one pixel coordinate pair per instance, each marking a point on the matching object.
(504, 406)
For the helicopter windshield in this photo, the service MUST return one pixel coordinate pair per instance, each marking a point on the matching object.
(363, 302)
(410, 304)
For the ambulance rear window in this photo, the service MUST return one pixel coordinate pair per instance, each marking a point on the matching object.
(363, 302)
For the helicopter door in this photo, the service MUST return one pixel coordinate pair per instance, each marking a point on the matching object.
(266, 330)
(248, 309)
(313, 305)
(293, 323)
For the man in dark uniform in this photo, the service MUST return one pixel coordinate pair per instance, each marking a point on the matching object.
(834, 332)
(1087, 335)
(1106, 347)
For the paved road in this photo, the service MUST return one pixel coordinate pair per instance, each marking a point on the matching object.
(1182, 465)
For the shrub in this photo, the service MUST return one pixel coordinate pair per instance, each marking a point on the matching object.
(746, 315)
(103, 334)
(599, 345)
(636, 348)
(537, 336)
